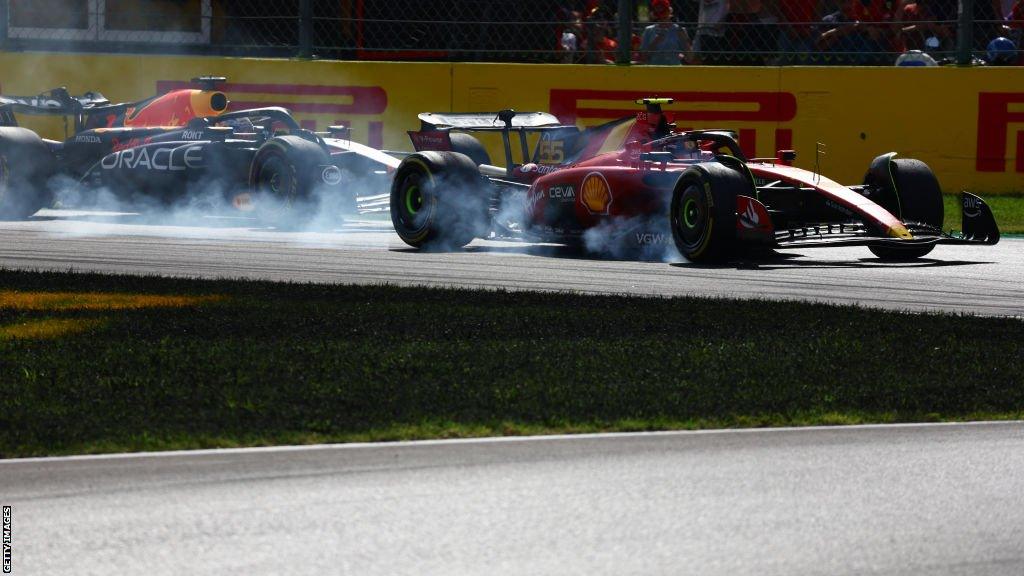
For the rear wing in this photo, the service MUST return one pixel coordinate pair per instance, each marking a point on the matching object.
(487, 121)
(56, 102)
(435, 129)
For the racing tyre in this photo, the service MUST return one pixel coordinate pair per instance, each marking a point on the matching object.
(911, 192)
(285, 181)
(439, 200)
(703, 212)
(470, 146)
(26, 164)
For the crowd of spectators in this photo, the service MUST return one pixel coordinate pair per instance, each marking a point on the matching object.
(813, 32)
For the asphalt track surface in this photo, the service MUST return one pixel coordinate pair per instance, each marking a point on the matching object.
(917, 499)
(974, 279)
(941, 499)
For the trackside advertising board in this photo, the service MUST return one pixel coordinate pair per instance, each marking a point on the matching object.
(967, 123)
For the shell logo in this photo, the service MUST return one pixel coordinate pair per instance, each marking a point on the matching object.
(596, 194)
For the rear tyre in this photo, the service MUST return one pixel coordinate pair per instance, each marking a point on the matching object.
(470, 146)
(439, 201)
(912, 193)
(26, 164)
(285, 181)
(703, 212)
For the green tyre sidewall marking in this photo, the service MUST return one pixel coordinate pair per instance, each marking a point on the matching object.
(686, 213)
(706, 239)
(430, 204)
(700, 244)
(410, 192)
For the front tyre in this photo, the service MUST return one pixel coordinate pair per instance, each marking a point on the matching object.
(439, 200)
(909, 189)
(703, 212)
(285, 181)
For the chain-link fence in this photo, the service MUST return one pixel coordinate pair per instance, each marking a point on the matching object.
(726, 32)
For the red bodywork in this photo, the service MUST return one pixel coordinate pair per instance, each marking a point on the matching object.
(640, 180)
(622, 185)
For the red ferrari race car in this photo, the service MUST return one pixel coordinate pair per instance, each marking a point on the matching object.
(640, 180)
(182, 147)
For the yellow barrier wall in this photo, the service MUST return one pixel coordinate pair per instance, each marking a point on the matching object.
(968, 124)
(943, 116)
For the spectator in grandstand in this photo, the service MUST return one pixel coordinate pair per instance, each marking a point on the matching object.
(856, 34)
(920, 27)
(796, 38)
(687, 10)
(1015, 19)
(879, 15)
(600, 48)
(1013, 29)
(710, 44)
(1015, 23)
(749, 32)
(988, 22)
(568, 35)
(945, 10)
(664, 42)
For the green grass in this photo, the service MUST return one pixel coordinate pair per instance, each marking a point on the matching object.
(131, 363)
(1008, 210)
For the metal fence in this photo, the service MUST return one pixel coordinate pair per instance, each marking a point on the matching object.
(740, 32)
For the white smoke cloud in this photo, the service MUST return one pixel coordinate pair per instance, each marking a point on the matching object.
(205, 212)
(645, 238)
(198, 211)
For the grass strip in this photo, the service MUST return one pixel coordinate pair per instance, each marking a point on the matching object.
(171, 363)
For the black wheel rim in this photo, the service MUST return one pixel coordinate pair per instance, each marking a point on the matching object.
(692, 216)
(275, 178)
(413, 205)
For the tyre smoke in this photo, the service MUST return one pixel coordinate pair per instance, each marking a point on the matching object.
(217, 203)
(646, 238)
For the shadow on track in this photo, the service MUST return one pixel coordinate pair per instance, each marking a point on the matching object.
(789, 261)
(543, 250)
(759, 260)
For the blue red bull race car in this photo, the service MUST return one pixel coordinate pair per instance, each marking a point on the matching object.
(180, 146)
(640, 179)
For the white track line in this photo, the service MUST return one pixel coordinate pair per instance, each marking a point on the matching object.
(496, 439)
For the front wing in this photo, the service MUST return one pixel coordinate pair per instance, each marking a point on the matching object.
(978, 227)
